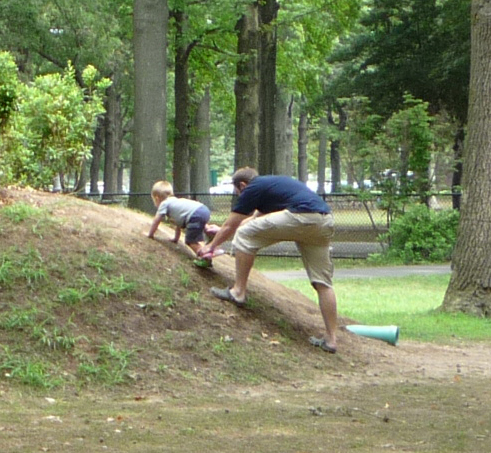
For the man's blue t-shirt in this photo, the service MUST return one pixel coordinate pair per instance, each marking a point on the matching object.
(276, 193)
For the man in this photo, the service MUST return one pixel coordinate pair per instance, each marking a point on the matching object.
(272, 209)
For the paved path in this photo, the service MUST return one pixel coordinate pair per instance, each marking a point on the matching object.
(366, 272)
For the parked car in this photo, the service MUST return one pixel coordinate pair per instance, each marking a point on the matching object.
(225, 187)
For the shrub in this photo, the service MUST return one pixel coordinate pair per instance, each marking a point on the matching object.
(422, 235)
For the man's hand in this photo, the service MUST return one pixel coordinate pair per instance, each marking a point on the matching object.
(205, 250)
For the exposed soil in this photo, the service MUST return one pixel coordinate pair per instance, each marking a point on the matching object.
(210, 375)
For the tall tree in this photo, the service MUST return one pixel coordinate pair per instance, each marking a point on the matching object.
(150, 136)
(268, 11)
(183, 48)
(469, 289)
(247, 90)
(199, 147)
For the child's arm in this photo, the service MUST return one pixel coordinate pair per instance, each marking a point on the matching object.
(155, 224)
(177, 235)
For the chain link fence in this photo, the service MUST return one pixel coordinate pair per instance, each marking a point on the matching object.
(358, 222)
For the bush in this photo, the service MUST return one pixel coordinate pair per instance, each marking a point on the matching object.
(421, 235)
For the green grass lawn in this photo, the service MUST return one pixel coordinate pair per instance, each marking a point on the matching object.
(409, 302)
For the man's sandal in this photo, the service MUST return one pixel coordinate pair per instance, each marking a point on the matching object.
(321, 343)
(225, 294)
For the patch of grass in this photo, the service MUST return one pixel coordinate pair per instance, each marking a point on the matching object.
(27, 371)
(28, 267)
(19, 212)
(55, 338)
(18, 318)
(110, 367)
(88, 290)
(184, 277)
(380, 301)
(101, 261)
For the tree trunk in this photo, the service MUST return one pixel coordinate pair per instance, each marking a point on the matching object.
(335, 155)
(303, 139)
(335, 159)
(321, 163)
(268, 11)
(181, 173)
(283, 129)
(112, 141)
(247, 91)
(200, 147)
(97, 147)
(150, 137)
(290, 169)
(469, 289)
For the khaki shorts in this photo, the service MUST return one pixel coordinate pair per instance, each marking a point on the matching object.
(311, 233)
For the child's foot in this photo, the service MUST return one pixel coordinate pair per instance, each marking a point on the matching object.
(203, 263)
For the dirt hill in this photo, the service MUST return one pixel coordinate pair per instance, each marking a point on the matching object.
(89, 298)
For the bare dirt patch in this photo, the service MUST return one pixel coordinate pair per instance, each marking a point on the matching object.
(204, 374)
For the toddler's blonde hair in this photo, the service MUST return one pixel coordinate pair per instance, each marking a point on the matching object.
(161, 190)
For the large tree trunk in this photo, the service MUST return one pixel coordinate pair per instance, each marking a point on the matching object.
(150, 136)
(469, 289)
(247, 91)
(268, 11)
(181, 173)
(200, 147)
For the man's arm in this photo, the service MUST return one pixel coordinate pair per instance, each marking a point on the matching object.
(226, 231)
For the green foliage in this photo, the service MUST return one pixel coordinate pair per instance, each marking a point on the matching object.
(52, 129)
(408, 138)
(422, 235)
(8, 87)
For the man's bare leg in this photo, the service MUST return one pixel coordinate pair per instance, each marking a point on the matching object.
(243, 266)
(328, 307)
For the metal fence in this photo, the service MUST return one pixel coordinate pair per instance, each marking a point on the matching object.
(358, 223)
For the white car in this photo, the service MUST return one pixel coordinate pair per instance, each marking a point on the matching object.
(225, 187)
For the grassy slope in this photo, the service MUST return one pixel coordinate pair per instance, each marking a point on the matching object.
(86, 299)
